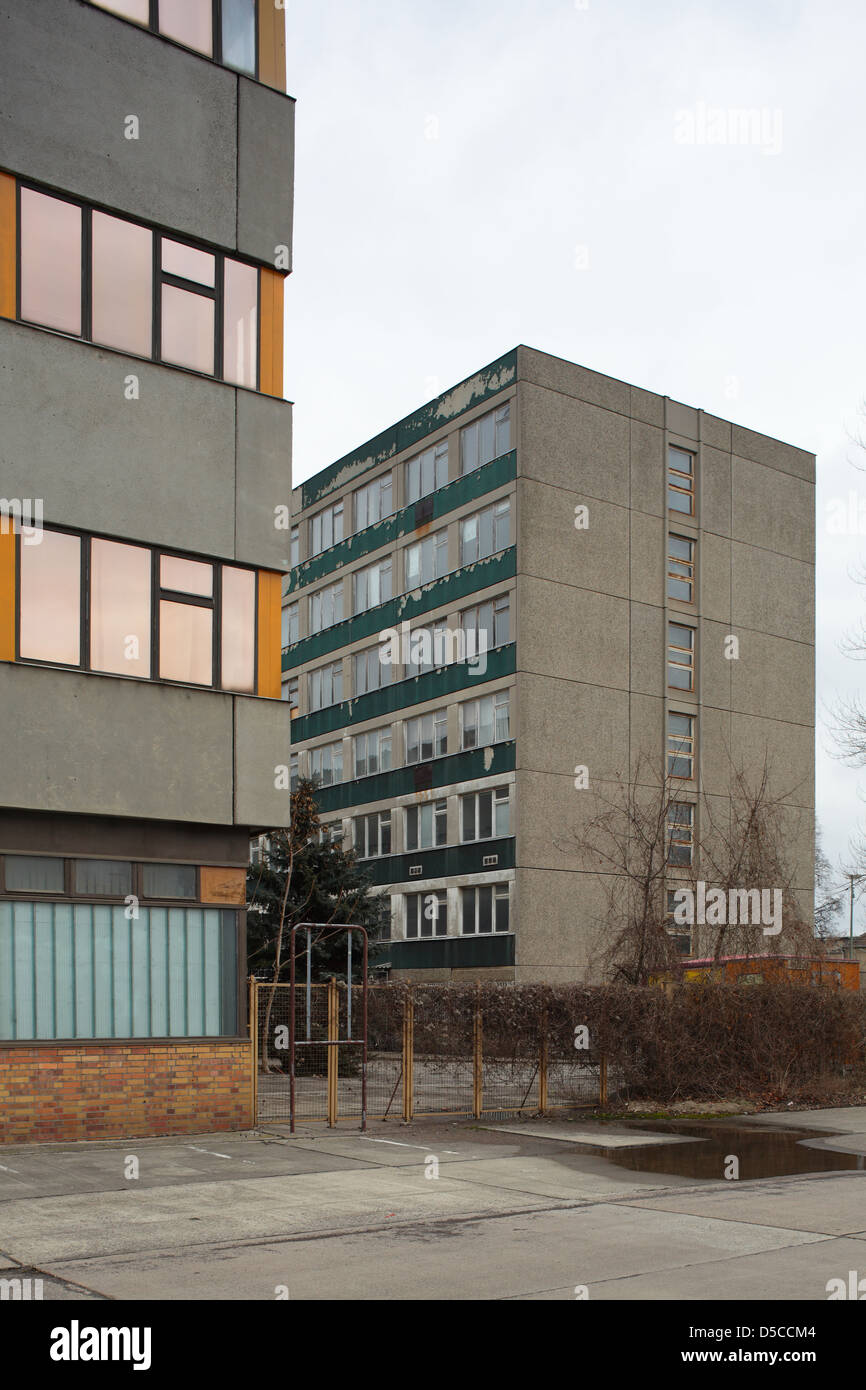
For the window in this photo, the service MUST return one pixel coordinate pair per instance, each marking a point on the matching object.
(289, 692)
(231, 41)
(426, 560)
(681, 744)
(426, 737)
(294, 546)
(485, 532)
(484, 909)
(429, 648)
(680, 831)
(373, 835)
(30, 873)
(427, 825)
(680, 940)
(681, 568)
(487, 625)
(371, 673)
(426, 914)
(289, 633)
(484, 721)
(332, 833)
(326, 607)
(326, 763)
(681, 481)
(681, 656)
(372, 503)
(325, 686)
(485, 815)
(485, 439)
(199, 310)
(294, 775)
(371, 586)
(426, 472)
(148, 614)
(168, 881)
(102, 878)
(326, 529)
(372, 752)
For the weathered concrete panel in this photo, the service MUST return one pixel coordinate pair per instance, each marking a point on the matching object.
(565, 442)
(264, 479)
(262, 732)
(266, 171)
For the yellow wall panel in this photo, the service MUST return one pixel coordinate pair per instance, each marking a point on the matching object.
(272, 45)
(7, 591)
(8, 229)
(271, 333)
(223, 885)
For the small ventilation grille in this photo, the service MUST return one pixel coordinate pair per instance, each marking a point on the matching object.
(415, 870)
(489, 860)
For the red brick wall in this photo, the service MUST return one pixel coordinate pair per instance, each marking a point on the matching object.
(102, 1090)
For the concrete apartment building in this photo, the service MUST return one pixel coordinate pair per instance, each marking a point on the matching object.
(145, 233)
(607, 541)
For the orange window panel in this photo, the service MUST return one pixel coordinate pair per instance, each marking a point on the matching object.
(223, 885)
(270, 652)
(272, 46)
(7, 590)
(8, 227)
(271, 347)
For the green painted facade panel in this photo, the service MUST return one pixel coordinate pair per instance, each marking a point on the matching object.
(460, 952)
(496, 569)
(402, 781)
(446, 499)
(441, 863)
(413, 428)
(417, 690)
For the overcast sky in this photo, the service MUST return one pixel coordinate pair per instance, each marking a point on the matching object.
(474, 174)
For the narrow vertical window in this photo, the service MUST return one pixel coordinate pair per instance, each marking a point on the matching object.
(239, 35)
(681, 568)
(122, 284)
(681, 481)
(120, 608)
(51, 599)
(238, 621)
(190, 22)
(240, 324)
(50, 262)
(681, 744)
(681, 656)
(188, 314)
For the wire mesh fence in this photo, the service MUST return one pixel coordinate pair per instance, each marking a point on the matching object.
(430, 1051)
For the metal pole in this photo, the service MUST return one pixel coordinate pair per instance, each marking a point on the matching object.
(851, 878)
(349, 985)
(309, 982)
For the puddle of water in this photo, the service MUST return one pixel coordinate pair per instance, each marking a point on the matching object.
(762, 1153)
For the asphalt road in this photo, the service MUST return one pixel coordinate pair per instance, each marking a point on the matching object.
(427, 1211)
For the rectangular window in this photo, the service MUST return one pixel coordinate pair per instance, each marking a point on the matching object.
(681, 481)
(239, 35)
(289, 692)
(485, 815)
(429, 648)
(372, 752)
(294, 773)
(326, 529)
(372, 503)
(326, 607)
(31, 873)
(680, 940)
(426, 737)
(485, 439)
(485, 532)
(199, 311)
(138, 10)
(168, 880)
(189, 602)
(371, 673)
(294, 546)
(485, 721)
(427, 825)
(681, 744)
(326, 764)
(426, 472)
(681, 656)
(373, 835)
(680, 832)
(289, 625)
(484, 909)
(189, 22)
(681, 568)
(371, 586)
(426, 914)
(221, 29)
(325, 686)
(102, 878)
(50, 261)
(487, 625)
(426, 560)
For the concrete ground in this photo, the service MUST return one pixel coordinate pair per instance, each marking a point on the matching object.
(434, 1210)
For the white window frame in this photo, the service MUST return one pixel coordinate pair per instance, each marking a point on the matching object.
(372, 503)
(490, 707)
(435, 823)
(434, 463)
(499, 797)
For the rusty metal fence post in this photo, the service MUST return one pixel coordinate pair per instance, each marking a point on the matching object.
(477, 1058)
(408, 1054)
(333, 1050)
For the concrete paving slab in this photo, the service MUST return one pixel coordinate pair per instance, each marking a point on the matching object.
(583, 1178)
(830, 1203)
(598, 1136)
(490, 1258)
(841, 1120)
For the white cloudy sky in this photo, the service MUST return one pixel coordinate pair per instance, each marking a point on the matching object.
(730, 278)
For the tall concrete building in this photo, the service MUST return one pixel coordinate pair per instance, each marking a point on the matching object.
(602, 545)
(146, 173)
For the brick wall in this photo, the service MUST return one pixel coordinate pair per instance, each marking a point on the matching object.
(103, 1090)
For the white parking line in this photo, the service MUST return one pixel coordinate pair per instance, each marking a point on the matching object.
(397, 1144)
